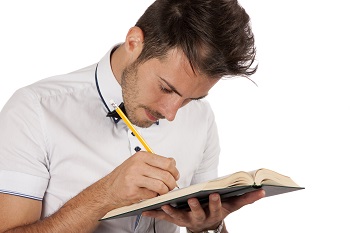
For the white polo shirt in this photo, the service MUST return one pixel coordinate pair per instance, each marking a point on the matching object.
(55, 140)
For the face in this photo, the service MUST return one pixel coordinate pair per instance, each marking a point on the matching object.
(156, 89)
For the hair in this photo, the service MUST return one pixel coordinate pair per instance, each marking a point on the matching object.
(215, 35)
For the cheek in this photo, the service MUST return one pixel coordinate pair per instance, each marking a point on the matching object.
(149, 94)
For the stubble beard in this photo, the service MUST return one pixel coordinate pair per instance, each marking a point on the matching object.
(130, 92)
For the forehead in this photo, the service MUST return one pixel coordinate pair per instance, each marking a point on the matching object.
(179, 61)
(176, 62)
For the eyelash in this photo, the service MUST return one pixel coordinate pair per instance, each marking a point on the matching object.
(165, 90)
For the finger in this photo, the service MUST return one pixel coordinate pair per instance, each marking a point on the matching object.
(251, 197)
(166, 213)
(169, 214)
(136, 196)
(179, 217)
(197, 212)
(163, 176)
(159, 214)
(144, 194)
(233, 204)
(152, 184)
(215, 207)
(157, 174)
(140, 167)
(166, 164)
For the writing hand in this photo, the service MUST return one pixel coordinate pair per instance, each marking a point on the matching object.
(144, 175)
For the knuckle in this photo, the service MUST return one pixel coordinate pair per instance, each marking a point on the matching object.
(199, 218)
(131, 195)
(129, 179)
(158, 186)
(128, 175)
(216, 211)
(161, 188)
(170, 163)
(167, 177)
(151, 194)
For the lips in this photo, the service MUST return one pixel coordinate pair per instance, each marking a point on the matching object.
(150, 116)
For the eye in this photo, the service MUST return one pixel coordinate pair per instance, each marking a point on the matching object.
(165, 90)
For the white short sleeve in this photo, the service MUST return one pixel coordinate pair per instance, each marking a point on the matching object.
(23, 161)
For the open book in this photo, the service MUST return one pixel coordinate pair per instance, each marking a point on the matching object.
(232, 185)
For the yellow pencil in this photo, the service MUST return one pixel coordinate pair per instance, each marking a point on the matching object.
(132, 128)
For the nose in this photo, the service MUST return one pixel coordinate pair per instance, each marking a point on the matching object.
(171, 107)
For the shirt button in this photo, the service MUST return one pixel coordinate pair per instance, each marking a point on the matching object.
(137, 149)
(132, 133)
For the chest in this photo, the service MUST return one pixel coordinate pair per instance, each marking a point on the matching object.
(79, 156)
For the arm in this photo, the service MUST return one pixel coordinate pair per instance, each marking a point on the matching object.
(123, 186)
(20, 214)
(10, 214)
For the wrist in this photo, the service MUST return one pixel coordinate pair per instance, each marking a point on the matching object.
(218, 229)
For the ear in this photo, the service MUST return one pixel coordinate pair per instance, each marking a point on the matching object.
(134, 42)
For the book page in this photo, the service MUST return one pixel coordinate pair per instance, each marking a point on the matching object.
(269, 177)
(235, 179)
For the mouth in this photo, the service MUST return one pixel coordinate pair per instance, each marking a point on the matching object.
(150, 116)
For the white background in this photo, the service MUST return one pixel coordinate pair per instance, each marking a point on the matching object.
(296, 121)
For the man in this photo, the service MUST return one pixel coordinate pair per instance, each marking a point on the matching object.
(64, 164)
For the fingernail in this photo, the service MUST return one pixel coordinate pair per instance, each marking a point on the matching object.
(165, 210)
(215, 197)
(193, 203)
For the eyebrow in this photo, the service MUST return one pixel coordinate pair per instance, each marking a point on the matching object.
(177, 92)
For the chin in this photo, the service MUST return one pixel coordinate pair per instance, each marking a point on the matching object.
(143, 124)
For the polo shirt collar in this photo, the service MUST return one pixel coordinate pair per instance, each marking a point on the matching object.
(109, 87)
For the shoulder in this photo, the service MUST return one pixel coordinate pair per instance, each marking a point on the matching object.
(61, 84)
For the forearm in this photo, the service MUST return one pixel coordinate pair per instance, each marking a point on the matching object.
(80, 214)
(65, 219)
(119, 188)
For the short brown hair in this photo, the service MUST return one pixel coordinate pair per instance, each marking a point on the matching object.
(215, 35)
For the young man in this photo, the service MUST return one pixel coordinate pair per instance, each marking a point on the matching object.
(64, 164)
